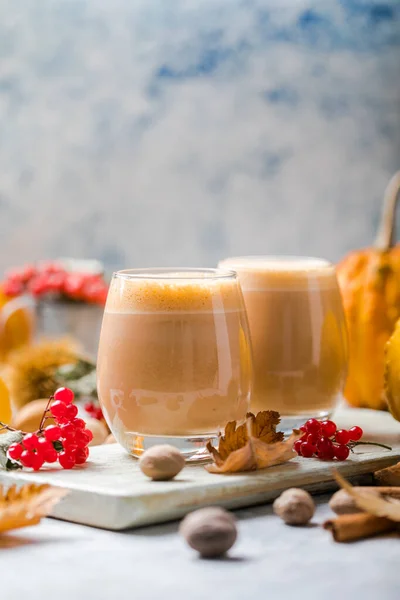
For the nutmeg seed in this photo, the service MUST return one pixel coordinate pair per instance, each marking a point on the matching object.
(161, 462)
(29, 416)
(343, 504)
(99, 431)
(211, 531)
(294, 506)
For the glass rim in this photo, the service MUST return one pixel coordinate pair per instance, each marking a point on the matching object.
(257, 259)
(170, 273)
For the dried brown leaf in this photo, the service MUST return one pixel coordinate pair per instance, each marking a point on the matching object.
(370, 502)
(27, 505)
(254, 445)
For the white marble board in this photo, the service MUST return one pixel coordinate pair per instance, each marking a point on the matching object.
(110, 492)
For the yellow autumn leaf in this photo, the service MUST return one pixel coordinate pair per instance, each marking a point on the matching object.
(254, 445)
(5, 405)
(27, 505)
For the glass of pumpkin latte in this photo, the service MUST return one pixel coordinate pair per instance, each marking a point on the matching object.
(298, 334)
(174, 362)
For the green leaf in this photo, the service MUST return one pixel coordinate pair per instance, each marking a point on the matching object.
(6, 439)
(72, 372)
(85, 386)
(12, 466)
(57, 445)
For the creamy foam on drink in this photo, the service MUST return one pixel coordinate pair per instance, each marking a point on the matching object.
(297, 331)
(173, 357)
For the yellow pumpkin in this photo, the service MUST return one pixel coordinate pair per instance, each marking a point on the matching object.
(392, 372)
(16, 330)
(5, 405)
(370, 284)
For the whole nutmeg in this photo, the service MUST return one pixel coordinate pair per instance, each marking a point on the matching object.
(99, 430)
(343, 504)
(29, 416)
(161, 462)
(294, 506)
(211, 531)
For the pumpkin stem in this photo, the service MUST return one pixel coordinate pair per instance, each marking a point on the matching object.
(386, 236)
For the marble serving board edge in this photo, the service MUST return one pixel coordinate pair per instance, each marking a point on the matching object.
(112, 493)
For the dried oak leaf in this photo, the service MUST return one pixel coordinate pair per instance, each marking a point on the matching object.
(27, 505)
(370, 502)
(254, 445)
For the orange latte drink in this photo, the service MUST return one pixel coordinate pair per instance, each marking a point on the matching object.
(174, 363)
(298, 334)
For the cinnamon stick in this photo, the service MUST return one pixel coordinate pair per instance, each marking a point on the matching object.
(348, 528)
(389, 476)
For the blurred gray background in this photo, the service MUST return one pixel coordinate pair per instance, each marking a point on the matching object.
(149, 133)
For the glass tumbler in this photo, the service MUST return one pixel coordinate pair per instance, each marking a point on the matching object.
(174, 363)
(298, 334)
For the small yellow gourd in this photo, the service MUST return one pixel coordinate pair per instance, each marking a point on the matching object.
(369, 280)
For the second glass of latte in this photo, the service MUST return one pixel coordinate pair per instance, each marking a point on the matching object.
(298, 335)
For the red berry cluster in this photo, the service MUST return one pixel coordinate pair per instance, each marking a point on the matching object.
(94, 411)
(52, 279)
(66, 442)
(323, 440)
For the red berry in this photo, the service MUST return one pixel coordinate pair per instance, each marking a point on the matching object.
(65, 395)
(70, 446)
(89, 434)
(73, 285)
(66, 460)
(78, 423)
(58, 409)
(328, 428)
(81, 438)
(342, 436)
(356, 433)
(303, 428)
(68, 431)
(313, 426)
(81, 455)
(26, 458)
(71, 412)
(37, 462)
(44, 445)
(12, 288)
(38, 285)
(50, 267)
(52, 433)
(14, 275)
(30, 441)
(307, 450)
(312, 438)
(15, 451)
(27, 273)
(55, 282)
(50, 456)
(325, 449)
(341, 451)
(297, 446)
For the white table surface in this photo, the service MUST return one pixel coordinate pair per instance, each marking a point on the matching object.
(270, 561)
